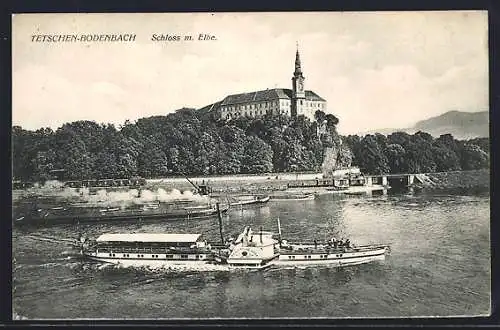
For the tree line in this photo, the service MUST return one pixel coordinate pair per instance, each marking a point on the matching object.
(401, 152)
(192, 142)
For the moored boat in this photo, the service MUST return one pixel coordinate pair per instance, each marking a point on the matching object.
(248, 200)
(91, 214)
(293, 197)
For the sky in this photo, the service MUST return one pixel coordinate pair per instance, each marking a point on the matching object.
(375, 69)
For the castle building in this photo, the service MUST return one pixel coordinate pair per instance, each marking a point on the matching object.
(291, 102)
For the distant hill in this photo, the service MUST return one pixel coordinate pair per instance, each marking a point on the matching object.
(462, 125)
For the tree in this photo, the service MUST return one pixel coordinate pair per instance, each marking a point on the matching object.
(401, 138)
(72, 153)
(258, 156)
(473, 157)
(371, 157)
(395, 155)
(353, 143)
(105, 164)
(331, 120)
(481, 142)
(152, 162)
(419, 151)
(320, 116)
(445, 159)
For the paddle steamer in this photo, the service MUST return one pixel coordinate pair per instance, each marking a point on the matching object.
(251, 250)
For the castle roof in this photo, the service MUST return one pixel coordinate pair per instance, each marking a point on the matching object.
(266, 95)
(210, 107)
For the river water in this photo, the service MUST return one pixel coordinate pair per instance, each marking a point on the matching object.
(439, 265)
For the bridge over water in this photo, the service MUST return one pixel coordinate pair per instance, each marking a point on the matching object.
(398, 180)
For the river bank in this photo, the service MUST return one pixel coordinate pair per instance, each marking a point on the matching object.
(476, 180)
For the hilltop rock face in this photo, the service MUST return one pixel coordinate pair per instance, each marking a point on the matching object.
(336, 154)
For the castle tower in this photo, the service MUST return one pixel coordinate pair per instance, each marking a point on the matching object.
(299, 95)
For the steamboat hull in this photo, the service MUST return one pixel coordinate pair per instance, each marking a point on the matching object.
(101, 218)
(280, 260)
(331, 263)
(334, 259)
(150, 262)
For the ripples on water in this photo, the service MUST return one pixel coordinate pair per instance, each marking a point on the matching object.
(439, 265)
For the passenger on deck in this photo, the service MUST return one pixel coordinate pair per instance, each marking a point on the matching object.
(347, 243)
(315, 244)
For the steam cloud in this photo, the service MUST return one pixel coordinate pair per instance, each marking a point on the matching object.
(123, 198)
(130, 197)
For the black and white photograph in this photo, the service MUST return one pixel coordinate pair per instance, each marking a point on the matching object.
(250, 165)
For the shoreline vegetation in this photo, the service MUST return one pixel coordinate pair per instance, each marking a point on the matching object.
(197, 143)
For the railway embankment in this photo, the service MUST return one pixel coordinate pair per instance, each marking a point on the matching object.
(463, 180)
